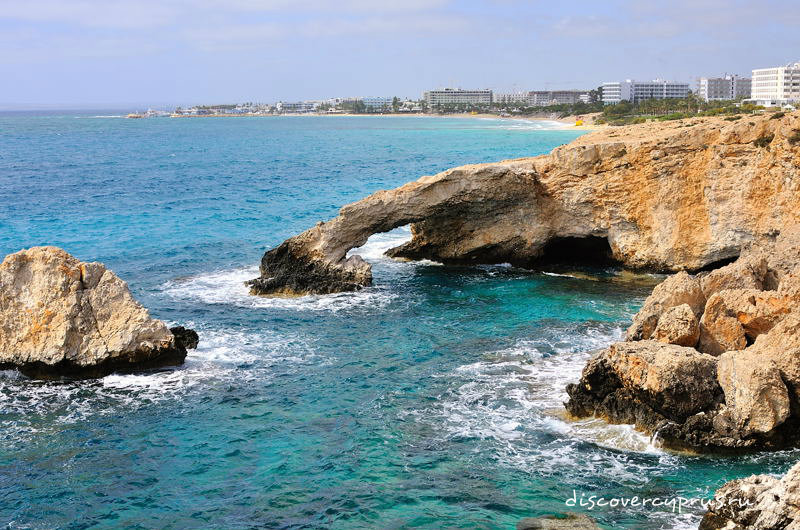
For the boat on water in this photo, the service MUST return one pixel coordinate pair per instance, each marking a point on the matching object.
(134, 115)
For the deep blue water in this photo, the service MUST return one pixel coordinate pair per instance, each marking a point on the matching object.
(431, 400)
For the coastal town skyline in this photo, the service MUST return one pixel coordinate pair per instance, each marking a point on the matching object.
(96, 54)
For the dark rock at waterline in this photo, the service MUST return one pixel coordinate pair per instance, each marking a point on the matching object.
(567, 521)
(184, 337)
(286, 270)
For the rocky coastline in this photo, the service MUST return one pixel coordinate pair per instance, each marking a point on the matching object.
(64, 318)
(668, 196)
(711, 361)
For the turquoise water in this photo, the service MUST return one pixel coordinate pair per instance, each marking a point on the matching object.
(431, 400)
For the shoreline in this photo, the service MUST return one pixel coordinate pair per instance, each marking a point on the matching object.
(567, 122)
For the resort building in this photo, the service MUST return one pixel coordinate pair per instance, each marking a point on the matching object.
(450, 96)
(516, 97)
(635, 91)
(546, 98)
(776, 86)
(376, 104)
(727, 87)
(299, 107)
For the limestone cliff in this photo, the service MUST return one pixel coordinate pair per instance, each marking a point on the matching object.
(63, 317)
(665, 196)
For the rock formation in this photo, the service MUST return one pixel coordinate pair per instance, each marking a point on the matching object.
(730, 383)
(759, 502)
(63, 317)
(567, 521)
(667, 196)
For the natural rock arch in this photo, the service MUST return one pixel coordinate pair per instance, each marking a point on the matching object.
(664, 196)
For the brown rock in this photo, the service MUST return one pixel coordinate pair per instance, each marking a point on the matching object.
(60, 316)
(758, 502)
(781, 345)
(733, 316)
(755, 395)
(659, 197)
(747, 272)
(678, 325)
(678, 289)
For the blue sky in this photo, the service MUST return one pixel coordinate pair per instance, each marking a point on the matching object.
(95, 53)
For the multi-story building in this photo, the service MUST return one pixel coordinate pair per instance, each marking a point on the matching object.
(378, 103)
(635, 91)
(298, 107)
(450, 96)
(776, 86)
(727, 87)
(515, 97)
(545, 98)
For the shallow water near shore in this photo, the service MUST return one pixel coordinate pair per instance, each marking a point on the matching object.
(431, 400)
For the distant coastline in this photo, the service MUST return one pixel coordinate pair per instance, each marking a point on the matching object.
(568, 122)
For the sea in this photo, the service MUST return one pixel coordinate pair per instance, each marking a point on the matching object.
(431, 400)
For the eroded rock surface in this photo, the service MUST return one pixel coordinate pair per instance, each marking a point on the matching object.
(738, 387)
(63, 317)
(664, 196)
(758, 502)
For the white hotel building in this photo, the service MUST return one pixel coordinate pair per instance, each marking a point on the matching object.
(635, 91)
(726, 88)
(774, 87)
(450, 96)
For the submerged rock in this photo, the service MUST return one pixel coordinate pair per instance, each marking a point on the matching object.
(758, 502)
(567, 521)
(63, 317)
(669, 196)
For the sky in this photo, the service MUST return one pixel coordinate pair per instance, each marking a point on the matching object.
(109, 53)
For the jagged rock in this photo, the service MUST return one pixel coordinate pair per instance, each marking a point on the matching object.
(755, 395)
(63, 317)
(781, 345)
(567, 521)
(678, 325)
(645, 382)
(734, 317)
(747, 272)
(676, 290)
(657, 196)
(757, 403)
(789, 287)
(758, 502)
(720, 333)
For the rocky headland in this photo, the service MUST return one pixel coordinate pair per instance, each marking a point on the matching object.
(667, 196)
(61, 317)
(711, 362)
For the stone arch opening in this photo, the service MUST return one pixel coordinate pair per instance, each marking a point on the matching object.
(586, 251)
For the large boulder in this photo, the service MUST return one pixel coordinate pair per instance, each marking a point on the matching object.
(63, 317)
(755, 395)
(676, 290)
(747, 272)
(678, 325)
(758, 502)
(675, 381)
(781, 345)
(645, 382)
